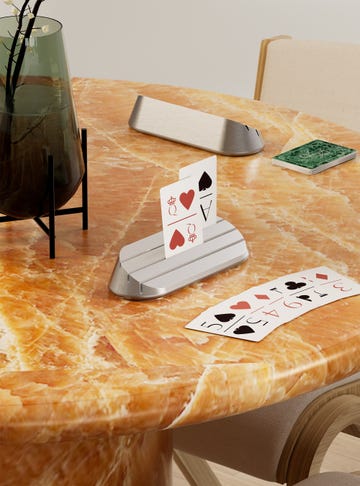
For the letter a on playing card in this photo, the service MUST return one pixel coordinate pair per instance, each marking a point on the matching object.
(181, 217)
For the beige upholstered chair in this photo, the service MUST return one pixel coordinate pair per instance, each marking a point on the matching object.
(286, 442)
(316, 77)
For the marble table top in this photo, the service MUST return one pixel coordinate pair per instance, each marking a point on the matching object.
(76, 359)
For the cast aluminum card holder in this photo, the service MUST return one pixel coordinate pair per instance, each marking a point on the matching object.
(196, 128)
(142, 272)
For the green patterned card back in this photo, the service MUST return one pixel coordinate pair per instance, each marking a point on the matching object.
(314, 156)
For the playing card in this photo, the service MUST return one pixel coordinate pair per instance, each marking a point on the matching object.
(255, 313)
(241, 316)
(205, 171)
(304, 299)
(303, 280)
(181, 218)
(247, 302)
(241, 325)
(328, 285)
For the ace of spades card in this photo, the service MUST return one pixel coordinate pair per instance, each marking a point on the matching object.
(181, 217)
(205, 173)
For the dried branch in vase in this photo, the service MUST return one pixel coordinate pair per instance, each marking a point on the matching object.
(21, 40)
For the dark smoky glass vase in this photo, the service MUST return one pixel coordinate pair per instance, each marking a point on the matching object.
(40, 120)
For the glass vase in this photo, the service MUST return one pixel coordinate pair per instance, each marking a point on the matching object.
(38, 120)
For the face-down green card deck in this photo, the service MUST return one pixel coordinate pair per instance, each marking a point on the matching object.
(314, 156)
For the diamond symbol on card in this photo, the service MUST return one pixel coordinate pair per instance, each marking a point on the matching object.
(262, 297)
(322, 276)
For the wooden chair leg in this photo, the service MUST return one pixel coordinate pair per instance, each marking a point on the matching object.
(353, 430)
(317, 435)
(316, 428)
(195, 469)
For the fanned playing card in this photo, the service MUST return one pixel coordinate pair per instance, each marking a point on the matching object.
(314, 157)
(255, 313)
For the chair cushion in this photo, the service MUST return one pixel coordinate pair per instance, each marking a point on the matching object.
(331, 479)
(251, 442)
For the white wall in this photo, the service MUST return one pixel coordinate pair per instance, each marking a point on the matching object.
(211, 44)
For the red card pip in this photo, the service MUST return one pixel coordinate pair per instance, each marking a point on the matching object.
(181, 218)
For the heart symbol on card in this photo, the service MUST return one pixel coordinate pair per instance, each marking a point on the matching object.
(294, 285)
(244, 330)
(177, 239)
(224, 317)
(205, 182)
(241, 305)
(186, 198)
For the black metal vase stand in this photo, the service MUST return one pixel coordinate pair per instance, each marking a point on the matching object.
(50, 228)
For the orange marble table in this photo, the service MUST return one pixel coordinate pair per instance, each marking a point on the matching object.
(92, 384)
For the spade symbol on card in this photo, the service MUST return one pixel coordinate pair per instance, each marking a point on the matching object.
(205, 173)
(177, 239)
(244, 330)
(205, 182)
(224, 317)
(294, 285)
(305, 297)
(186, 198)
